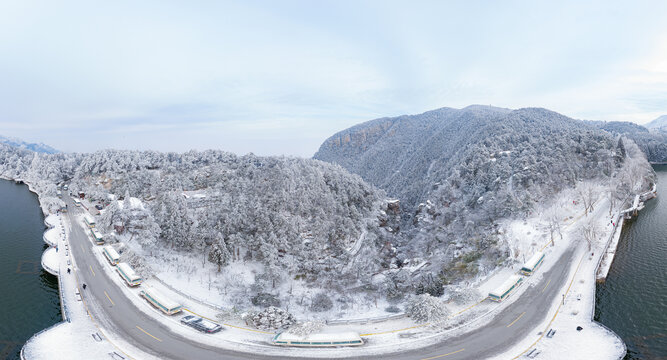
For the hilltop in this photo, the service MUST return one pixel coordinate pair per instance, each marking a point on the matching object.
(42, 148)
(659, 123)
(459, 172)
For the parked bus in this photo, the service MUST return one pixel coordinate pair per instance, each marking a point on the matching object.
(532, 264)
(90, 221)
(504, 290)
(111, 254)
(97, 237)
(128, 274)
(323, 339)
(161, 302)
(77, 202)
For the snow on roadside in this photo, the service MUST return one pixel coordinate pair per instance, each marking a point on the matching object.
(77, 336)
(525, 236)
(594, 341)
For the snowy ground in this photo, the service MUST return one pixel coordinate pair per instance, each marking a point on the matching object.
(190, 287)
(577, 308)
(77, 337)
(191, 280)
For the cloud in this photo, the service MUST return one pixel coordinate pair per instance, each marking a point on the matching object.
(260, 76)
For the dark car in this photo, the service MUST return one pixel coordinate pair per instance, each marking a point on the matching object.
(200, 324)
(99, 207)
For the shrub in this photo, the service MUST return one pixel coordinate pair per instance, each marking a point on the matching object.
(321, 302)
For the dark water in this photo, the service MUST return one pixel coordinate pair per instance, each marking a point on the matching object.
(633, 300)
(29, 295)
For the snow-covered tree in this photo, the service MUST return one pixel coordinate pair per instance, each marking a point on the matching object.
(426, 308)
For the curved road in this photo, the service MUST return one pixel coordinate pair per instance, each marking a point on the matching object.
(111, 308)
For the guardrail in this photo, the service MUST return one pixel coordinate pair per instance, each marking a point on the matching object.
(596, 269)
(366, 321)
(203, 302)
(328, 322)
(49, 269)
(34, 336)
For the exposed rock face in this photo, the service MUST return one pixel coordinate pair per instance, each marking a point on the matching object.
(390, 217)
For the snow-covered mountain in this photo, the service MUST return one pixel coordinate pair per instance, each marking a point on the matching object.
(652, 142)
(492, 149)
(260, 231)
(281, 221)
(659, 123)
(458, 172)
(43, 148)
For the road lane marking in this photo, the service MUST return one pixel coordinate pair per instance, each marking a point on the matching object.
(517, 319)
(441, 356)
(111, 301)
(91, 269)
(555, 314)
(545, 286)
(146, 332)
(92, 319)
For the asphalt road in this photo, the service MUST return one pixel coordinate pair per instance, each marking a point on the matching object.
(112, 309)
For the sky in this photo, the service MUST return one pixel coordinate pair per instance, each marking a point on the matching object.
(280, 77)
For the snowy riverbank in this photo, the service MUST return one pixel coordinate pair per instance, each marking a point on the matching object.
(80, 335)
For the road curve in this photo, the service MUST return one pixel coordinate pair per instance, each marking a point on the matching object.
(110, 307)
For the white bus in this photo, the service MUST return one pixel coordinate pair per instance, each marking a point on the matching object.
(532, 264)
(111, 254)
(504, 290)
(322, 339)
(128, 274)
(161, 302)
(90, 221)
(99, 240)
(77, 202)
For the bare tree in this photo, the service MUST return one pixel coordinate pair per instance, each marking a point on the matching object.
(612, 194)
(589, 231)
(587, 194)
(553, 216)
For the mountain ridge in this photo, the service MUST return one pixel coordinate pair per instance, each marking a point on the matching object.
(36, 147)
(658, 123)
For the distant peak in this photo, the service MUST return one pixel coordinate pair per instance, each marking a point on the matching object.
(660, 122)
(15, 142)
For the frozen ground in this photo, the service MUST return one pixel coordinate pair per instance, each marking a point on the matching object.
(77, 337)
(524, 236)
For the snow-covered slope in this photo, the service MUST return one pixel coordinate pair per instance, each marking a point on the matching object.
(458, 172)
(43, 148)
(660, 122)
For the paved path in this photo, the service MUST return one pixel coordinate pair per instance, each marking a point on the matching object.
(111, 308)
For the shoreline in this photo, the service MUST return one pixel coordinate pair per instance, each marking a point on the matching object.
(616, 230)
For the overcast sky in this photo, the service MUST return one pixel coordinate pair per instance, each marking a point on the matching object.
(279, 77)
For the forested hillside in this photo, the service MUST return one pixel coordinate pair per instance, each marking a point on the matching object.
(277, 230)
(458, 172)
(659, 123)
(652, 142)
(297, 218)
(470, 152)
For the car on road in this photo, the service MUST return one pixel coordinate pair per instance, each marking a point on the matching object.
(201, 324)
(99, 207)
(77, 294)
